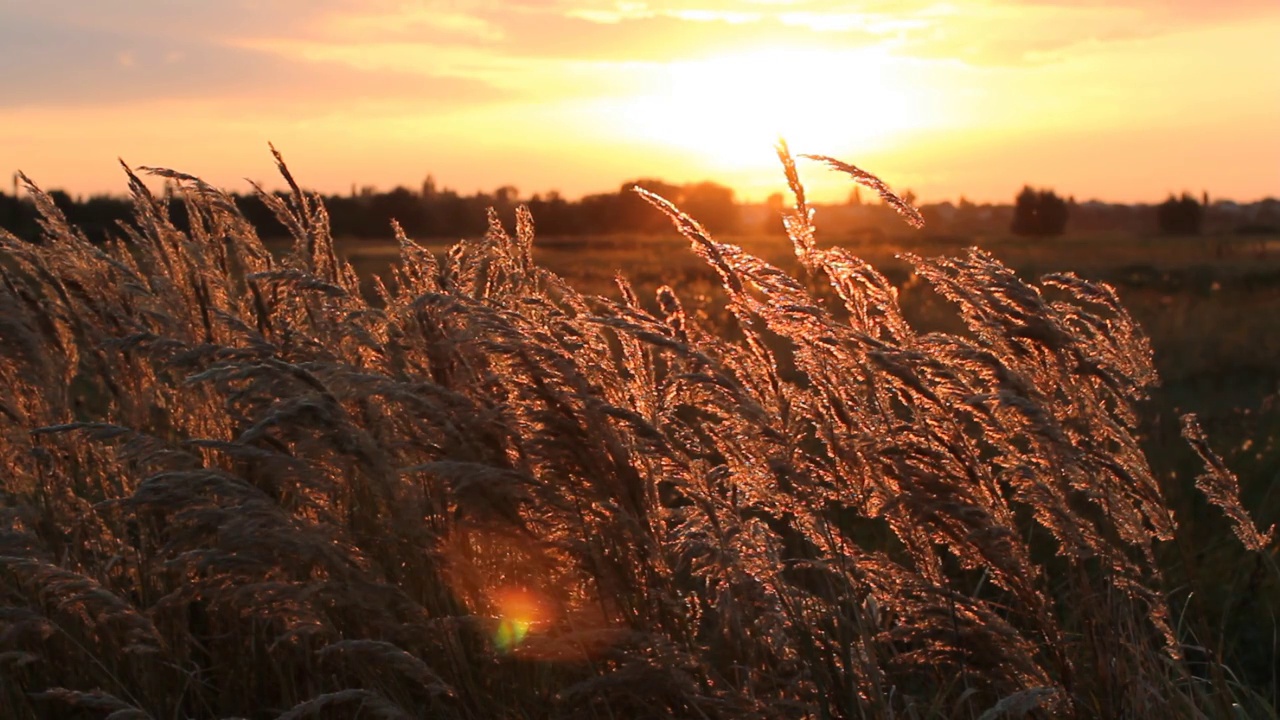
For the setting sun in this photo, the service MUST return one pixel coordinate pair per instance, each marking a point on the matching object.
(731, 108)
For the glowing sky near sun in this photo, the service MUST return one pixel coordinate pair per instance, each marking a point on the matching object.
(1122, 100)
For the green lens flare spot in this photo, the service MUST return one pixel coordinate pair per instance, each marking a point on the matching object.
(510, 633)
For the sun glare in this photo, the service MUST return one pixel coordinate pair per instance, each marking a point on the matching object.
(732, 108)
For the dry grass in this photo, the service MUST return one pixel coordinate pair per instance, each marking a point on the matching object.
(235, 487)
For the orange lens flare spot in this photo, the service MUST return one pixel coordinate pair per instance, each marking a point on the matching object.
(519, 610)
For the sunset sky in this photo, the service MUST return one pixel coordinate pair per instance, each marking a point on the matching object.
(1124, 100)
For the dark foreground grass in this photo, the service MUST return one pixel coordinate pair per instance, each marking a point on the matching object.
(235, 487)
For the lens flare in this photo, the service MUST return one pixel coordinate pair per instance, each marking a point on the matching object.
(519, 611)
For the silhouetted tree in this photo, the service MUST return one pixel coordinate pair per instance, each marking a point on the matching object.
(402, 205)
(712, 204)
(554, 215)
(633, 214)
(1026, 209)
(1039, 213)
(1180, 216)
(774, 206)
(506, 195)
(18, 216)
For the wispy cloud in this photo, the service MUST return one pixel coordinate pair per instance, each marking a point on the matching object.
(451, 52)
(394, 75)
(61, 64)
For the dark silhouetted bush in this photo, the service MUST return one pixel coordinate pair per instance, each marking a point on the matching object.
(1039, 213)
(1180, 216)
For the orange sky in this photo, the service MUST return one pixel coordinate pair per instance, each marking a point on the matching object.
(1123, 101)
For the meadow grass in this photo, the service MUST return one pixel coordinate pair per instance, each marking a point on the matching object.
(236, 486)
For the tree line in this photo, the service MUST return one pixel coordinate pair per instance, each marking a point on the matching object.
(425, 213)
(1041, 213)
(433, 212)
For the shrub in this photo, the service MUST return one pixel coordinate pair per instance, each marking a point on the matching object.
(1180, 216)
(1039, 213)
(236, 487)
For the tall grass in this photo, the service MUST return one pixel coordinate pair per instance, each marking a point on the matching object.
(234, 486)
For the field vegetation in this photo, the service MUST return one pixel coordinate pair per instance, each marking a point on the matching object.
(775, 479)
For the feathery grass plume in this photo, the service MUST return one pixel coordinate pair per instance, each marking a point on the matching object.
(1222, 488)
(798, 224)
(235, 486)
(866, 179)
